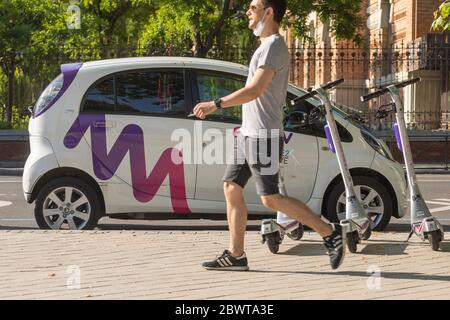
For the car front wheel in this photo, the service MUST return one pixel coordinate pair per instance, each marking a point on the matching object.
(67, 203)
(373, 195)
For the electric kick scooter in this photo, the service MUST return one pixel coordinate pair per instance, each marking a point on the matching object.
(423, 224)
(357, 224)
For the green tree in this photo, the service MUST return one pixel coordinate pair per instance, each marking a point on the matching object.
(343, 16)
(442, 17)
(17, 21)
(106, 26)
(203, 23)
(35, 39)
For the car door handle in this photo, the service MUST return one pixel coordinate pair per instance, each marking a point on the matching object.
(105, 124)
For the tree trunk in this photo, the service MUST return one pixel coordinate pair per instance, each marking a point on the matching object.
(202, 46)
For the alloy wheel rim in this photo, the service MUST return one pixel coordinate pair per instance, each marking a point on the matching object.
(370, 199)
(66, 208)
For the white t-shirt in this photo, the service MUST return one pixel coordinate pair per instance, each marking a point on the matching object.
(266, 112)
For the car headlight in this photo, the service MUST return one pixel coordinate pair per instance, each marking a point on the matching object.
(49, 94)
(376, 145)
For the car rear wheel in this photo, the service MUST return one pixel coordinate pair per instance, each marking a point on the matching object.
(67, 203)
(373, 195)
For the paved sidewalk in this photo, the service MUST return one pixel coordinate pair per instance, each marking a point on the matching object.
(166, 265)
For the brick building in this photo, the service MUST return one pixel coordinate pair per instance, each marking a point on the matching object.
(399, 46)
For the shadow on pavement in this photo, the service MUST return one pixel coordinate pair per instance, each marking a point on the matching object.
(397, 227)
(17, 228)
(376, 247)
(386, 275)
(141, 227)
(390, 249)
(314, 248)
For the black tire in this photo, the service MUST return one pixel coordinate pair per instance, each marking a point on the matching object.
(273, 242)
(93, 202)
(434, 238)
(352, 241)
(332, 200)
(297, 234)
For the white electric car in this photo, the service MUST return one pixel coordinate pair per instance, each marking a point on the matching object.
(102, 143)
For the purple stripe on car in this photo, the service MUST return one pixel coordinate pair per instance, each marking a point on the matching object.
(69, 72)
(130, 143)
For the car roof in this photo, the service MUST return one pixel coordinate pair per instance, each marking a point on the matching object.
(185, 62)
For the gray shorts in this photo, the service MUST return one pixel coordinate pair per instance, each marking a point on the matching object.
(257, 157)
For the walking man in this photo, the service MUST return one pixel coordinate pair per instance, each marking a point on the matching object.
(261, 132)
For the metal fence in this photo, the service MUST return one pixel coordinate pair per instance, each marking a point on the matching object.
(427, 104)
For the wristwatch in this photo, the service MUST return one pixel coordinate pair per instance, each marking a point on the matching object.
(218, 103)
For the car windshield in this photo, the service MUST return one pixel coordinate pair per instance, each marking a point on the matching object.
(337, 108)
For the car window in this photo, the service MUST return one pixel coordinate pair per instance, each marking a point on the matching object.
(212, 86)
(100, 97)
(298, 119)
(141, 92)
(156, 93)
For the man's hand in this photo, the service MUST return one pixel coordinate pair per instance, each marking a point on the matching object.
(203, 109)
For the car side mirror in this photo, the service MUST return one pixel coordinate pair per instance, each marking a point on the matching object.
(31, 107)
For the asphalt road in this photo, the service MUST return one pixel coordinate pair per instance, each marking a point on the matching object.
(15, 213)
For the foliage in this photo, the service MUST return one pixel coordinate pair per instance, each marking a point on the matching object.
(20, 119)
(442, 17)
(35, 38)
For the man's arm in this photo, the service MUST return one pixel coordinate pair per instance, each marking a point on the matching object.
(261, 80)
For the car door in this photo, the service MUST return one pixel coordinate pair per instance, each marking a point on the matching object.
(300, 157)
(131, 134)
(208, 85)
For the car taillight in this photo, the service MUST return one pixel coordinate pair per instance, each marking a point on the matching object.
(49, 94)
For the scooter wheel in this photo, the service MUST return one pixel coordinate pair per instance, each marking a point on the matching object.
(434, 237)
(366, 235)
(273, 241)
(297, 234)
(352, 241)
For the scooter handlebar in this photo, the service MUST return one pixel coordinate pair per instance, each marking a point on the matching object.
(333, 84)
(383, 91)
(304, 97)
(313, 92)
(407, 82)
(374, 95)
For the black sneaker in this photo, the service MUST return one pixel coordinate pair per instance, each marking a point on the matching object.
(335, 244)
(227, 262)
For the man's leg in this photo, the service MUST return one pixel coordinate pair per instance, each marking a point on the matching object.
(333, 234)
(268, 153)
(235, 178)
(236, 215)
(234, 259)
(299, 211)
(267, 186)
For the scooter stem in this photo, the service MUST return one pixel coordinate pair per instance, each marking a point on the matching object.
(418, 207)
(348, 183)
(394, 92)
